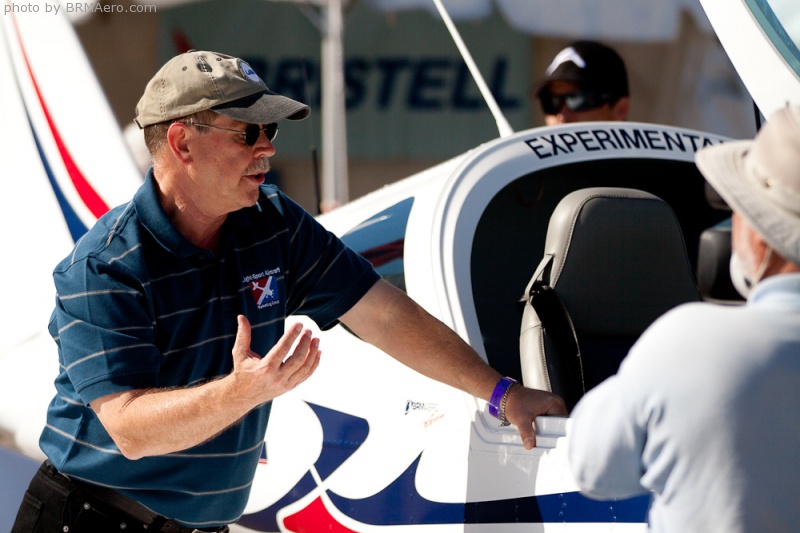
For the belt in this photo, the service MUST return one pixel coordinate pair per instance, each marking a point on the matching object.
(154, 521)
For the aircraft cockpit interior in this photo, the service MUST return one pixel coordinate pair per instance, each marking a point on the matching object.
(510, 240)
(509, 244)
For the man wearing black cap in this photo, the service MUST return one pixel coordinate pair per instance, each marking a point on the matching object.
(170, 313)
(586, 81)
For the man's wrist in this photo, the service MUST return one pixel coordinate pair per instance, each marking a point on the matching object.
(499, 399)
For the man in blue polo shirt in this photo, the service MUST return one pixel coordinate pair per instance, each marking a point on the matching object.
(170, 314)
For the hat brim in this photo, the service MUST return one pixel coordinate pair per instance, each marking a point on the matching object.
(263, 108)
(581, 84)
(545, 85)
(723, 166)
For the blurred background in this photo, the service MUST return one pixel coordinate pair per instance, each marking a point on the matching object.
(410, 102)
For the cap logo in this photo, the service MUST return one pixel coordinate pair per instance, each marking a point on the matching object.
(567, 54)
(248, 72)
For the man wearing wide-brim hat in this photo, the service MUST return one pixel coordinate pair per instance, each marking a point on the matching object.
(704, 410)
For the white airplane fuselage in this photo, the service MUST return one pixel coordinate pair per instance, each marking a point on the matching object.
(365, 444)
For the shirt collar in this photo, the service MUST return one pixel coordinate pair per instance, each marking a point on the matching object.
(782, 289)
(155, 220)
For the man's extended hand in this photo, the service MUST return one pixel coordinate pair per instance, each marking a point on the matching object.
(265, 378)
(147, 422)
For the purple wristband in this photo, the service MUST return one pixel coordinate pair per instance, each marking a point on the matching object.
(497, 395)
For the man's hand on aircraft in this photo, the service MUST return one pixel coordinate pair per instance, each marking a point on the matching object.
(524, 405)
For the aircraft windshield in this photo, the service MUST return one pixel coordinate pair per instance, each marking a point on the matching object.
(780, 20)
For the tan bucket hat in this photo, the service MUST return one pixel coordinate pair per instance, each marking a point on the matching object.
(197, 81)
(760, 180)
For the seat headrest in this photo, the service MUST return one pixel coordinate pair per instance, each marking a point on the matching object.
(619, 259)
(713, 265)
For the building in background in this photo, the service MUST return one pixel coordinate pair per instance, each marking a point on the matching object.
(410, 101)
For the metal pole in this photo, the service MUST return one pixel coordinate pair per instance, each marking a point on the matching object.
(334, 132)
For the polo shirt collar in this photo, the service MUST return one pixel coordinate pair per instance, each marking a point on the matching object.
(155, 220)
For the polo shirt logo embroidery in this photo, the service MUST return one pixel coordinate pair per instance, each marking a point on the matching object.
(264, 288)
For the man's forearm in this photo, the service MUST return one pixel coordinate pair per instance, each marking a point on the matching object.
(144, 423)
(392, 322)
(155, 422)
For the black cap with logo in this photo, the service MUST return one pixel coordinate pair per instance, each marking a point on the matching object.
(591, 66)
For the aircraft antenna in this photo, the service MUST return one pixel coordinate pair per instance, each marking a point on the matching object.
(503, 127)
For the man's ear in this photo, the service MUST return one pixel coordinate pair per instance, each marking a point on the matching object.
(177, 140)
(620, 108)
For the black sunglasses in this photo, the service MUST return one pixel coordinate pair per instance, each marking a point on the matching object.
(251, 132)
(575, 101)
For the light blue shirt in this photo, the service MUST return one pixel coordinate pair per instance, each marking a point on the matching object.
(705, 413)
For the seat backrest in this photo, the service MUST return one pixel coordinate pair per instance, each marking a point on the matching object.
(614, 261)
(713, 265)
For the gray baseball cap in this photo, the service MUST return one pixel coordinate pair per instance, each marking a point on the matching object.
(200, 80)
(760, 180)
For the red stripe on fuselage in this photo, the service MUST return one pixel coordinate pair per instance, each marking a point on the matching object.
(87, 194)
(314, 518)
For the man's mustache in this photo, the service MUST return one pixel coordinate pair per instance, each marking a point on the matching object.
(261, 166)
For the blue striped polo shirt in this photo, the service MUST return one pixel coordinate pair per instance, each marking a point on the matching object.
(139, 306)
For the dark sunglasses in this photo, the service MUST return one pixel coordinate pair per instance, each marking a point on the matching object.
(251, 132)
(575, 101)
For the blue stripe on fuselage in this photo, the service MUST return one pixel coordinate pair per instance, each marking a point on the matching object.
(76, 227)
(401, 504)
(74, 224)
